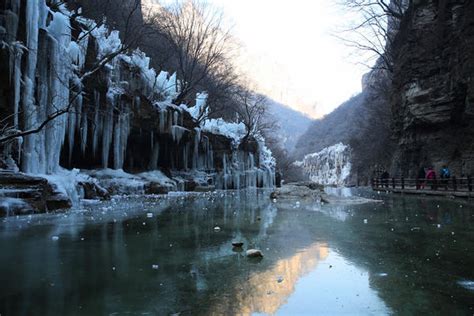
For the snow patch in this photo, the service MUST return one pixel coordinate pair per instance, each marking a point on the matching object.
(234, 131)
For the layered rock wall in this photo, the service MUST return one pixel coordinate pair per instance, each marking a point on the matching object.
(433, 88)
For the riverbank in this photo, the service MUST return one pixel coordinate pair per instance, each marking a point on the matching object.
(427, 192)
(311, 192)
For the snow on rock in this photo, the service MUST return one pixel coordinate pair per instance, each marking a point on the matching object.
(330, 166)
(160, 178)
(200, 110)
(234, 131)
(121, 182)
(11, 206)
(118, 181)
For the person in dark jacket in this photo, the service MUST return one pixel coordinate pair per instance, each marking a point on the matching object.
(431, 178)
(420, 179)
(445, 174)
(385, 176)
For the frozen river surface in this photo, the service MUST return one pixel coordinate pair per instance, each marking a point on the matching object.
(164, 256)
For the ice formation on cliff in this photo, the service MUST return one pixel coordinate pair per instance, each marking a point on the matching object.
(330, 166)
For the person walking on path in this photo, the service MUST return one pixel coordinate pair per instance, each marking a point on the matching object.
(420, 179)
(385, 176)
(431, 178)
(445, 175)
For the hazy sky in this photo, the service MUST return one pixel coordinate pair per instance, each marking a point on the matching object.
(290, 53)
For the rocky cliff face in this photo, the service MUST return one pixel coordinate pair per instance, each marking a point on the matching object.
(114, 110)
(433, 87)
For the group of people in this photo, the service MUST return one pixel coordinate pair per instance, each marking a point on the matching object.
(428, 176)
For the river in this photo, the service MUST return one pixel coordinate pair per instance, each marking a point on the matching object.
(173, 255)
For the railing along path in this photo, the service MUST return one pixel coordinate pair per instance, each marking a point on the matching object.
(442, 186)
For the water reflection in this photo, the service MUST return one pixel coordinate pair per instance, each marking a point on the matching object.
(163, 256)
(266, 291)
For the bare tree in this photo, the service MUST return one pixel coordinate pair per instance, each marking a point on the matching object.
(199, 40)
(373, 28)
(253, 112)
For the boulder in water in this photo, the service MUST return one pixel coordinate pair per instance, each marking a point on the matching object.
(254, 253)
(237, 244)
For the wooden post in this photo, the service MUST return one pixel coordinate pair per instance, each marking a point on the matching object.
(455, 184)
(403, 183)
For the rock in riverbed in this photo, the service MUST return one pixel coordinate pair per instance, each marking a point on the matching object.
(237, 244)
(254, 253)
(306, 192)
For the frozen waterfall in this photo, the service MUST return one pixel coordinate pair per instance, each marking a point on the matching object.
(330, 166)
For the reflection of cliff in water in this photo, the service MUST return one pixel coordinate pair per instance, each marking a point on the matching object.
(266, 291)
(414, 264)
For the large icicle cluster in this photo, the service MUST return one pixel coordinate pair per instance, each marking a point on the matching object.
(53, 80)
(58, 64)
(240, 170)
(330, 166)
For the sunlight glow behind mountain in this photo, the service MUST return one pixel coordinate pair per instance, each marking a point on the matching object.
(288, 50)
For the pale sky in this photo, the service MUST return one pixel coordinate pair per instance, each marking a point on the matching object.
(288, 50)
(291, 53)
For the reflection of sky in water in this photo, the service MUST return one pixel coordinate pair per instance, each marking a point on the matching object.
(341, 289)
(315, 281)
(318, 259)
(337, 212)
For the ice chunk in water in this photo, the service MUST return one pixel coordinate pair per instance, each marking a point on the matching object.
(55, 238)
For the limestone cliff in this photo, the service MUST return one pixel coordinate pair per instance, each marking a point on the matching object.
(432, 97)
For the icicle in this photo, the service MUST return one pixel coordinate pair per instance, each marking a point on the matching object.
(121, 132)
(185, 156)
(117, 142)
(97, 121)
(155, 154)
(30, 159)
(175, 117)
(17, 55)
(177, 133)
(107, 131)
(84, 131)
(197, 141)
(162, 120)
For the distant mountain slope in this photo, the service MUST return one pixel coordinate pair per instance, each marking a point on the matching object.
(341, 125)
(291, 122)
